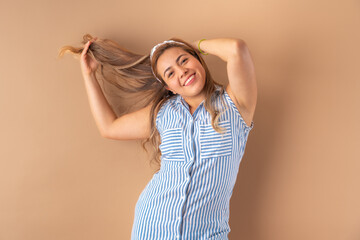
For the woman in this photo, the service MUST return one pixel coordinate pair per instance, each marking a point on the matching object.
(199, 127)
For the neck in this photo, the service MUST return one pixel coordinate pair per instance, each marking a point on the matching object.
(194, 102)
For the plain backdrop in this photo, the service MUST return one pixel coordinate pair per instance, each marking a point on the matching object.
(299, 177)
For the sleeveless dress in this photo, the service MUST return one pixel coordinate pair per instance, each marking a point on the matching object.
(188, 198)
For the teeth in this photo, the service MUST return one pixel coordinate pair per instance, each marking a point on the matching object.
(190, 78)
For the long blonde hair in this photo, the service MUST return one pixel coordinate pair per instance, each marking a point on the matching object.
(132, 73)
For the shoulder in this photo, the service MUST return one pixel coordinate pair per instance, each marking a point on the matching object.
(169, 103)
(165, 109)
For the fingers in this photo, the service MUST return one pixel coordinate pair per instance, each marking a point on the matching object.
(86, 47)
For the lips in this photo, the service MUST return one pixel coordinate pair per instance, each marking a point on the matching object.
(189, 80)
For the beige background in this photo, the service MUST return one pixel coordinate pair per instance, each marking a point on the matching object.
(299, 178)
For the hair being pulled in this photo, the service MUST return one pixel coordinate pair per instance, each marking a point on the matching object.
(132, 74)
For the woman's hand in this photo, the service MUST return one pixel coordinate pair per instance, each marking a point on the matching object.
(87, 63)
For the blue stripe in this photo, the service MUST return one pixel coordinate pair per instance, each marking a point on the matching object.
(189, 197)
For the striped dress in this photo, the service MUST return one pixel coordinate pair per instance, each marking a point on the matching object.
(188, 198)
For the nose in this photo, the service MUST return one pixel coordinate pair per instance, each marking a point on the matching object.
(182, 71)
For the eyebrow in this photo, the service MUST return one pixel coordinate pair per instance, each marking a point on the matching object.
(177, 61)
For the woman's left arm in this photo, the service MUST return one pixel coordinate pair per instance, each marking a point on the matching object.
(240, 69)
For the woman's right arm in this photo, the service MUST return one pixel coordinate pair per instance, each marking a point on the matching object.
(130, 126)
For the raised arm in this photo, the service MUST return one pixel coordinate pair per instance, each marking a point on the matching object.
(130, 126)
(242, 86)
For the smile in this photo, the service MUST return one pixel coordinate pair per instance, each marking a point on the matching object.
(189, 80)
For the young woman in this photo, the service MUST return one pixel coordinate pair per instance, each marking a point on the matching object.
(198, 127)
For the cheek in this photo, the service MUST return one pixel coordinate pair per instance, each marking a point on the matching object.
(202, 71)
(173, 85)
(169, 84)
(200, 67)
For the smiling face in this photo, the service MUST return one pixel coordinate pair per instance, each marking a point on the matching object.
(182, 73)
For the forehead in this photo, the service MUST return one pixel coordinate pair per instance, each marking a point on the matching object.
(168, 57)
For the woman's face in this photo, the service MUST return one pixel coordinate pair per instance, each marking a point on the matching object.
(182, 72)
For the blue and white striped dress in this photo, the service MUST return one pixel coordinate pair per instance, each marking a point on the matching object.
(188, 198)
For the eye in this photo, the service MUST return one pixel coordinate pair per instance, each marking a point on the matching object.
(170, 74)
(185, 59)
